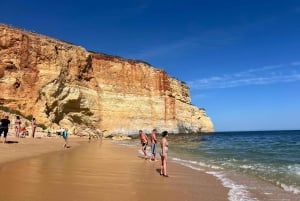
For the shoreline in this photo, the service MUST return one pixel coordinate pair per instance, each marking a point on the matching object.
(119, 169)
(240, 186)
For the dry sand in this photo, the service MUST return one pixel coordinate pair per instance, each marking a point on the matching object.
(95, 171)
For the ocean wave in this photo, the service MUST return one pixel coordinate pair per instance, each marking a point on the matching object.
(292, 189)
(193, 164)
(237, 192)
(294, 169)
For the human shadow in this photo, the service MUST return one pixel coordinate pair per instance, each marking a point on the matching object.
(11, 142)
(158, 171)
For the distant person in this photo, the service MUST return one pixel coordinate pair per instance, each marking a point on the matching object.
(163, 154)
(4, 127)
(60, 132)
(144, 142)
(17, 125)
(153, 144)
(33, 125)
(48, 130)
(65, 135)
(23, 132)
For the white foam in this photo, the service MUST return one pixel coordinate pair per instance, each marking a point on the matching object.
(247, 167)
(190, 166)
(294, 169)
(190, 163)
(292, 189)
(236, 192)
(142, 153)
(180, 160)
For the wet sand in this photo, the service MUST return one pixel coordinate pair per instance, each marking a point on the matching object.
(96, 171)
(20, 148)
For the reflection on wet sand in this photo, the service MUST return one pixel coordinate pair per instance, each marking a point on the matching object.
(97, 171)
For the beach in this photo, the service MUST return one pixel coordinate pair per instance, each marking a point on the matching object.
(21, 148)
(40, 169)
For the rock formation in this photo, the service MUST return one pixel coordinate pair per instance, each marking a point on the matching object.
(62, 84)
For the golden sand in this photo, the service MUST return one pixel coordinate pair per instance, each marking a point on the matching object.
(95, 171)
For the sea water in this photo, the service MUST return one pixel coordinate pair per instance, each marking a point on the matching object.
(256, 165)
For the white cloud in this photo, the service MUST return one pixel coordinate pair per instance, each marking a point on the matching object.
(200, 40)
(164, 49)
(258, 76)
(296, 63)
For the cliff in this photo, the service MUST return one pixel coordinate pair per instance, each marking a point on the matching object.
(62, 84)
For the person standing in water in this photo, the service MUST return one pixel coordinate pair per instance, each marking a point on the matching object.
(153, 144)
(144, 142)
(163, 154)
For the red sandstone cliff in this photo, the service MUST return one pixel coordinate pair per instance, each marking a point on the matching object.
(62, 84)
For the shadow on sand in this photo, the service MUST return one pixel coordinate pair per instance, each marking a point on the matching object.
(11, 142)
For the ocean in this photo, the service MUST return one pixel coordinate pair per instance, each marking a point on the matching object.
(255, 165)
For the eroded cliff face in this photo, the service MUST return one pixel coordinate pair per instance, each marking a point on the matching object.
(64, 85)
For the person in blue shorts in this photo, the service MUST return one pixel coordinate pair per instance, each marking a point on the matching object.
(153, 144)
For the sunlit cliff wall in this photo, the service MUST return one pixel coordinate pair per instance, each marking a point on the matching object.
(62, 84)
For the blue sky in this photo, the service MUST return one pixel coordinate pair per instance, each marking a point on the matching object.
(241, 59)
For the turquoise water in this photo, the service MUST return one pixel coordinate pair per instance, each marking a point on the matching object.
(270, 155)
(257, 165)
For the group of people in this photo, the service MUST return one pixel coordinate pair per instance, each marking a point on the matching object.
(163, 145)
(22, 132)
(19, 130)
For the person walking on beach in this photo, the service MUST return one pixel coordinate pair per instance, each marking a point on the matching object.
(4, 127)
(153, 144)
(163, 154)
(33, 125)
(17, 125)
(65, 135)
(144, 142)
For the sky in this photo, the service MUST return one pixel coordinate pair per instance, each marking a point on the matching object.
(240, 58)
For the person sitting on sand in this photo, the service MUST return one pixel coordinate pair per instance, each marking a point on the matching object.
(163, 154)
(23, 132)
(4, 127)
(144, 142)
(48, 130)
